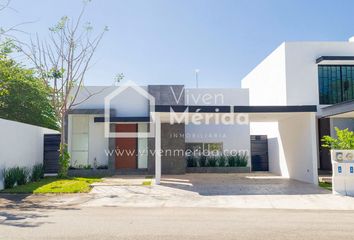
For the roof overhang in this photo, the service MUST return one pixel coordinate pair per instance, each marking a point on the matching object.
(235, 109)
(335, 60)
(93, 111)
(256, 113)
(340, 110)
(123, 119)
(253, 113)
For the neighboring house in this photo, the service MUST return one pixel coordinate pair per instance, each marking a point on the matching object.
(306, 73)
(130, 113)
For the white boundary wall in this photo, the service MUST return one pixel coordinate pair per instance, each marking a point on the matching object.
(20, 145)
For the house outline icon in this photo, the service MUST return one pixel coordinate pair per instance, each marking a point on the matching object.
(107, 112)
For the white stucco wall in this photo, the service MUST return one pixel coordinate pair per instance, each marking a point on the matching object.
(234, 137)
(267, 81)
(20, 145)
(299, 146)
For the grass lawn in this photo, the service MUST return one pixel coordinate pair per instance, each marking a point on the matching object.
(55, 185)
(325, 185)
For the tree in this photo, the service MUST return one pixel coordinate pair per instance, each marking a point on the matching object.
(344, 140)
(63, 61)
(6, 32)
(23, 97)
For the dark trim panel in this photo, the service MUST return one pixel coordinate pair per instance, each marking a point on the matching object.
(334, 58)
(201, 109)
(239, 109)
(89, 111)
(123, 119)
(275, 109)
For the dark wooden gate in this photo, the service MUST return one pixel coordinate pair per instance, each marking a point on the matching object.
(259, 153)
(51, 153)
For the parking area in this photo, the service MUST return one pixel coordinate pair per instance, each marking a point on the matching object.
(255, 190)
(212, 184)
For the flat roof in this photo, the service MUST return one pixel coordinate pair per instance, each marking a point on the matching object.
(334, 58)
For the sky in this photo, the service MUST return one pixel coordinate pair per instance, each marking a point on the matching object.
(164, 41)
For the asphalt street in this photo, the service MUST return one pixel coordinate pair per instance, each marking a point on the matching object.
(174, 223)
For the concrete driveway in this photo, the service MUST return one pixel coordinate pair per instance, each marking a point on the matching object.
(261, 190)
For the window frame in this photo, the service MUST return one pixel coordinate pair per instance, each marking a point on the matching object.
(331, 83)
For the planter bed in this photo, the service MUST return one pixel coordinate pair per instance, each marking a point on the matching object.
(218, 170)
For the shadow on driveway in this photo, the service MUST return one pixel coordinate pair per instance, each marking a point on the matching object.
(240, 184)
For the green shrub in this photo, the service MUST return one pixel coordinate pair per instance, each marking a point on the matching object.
(102, 167)
(344, 140)
(191, 161)
(222, 161)
(64, 161)
(202, 161)
(88, 166)
(15, 175)
(22, 175)
(211, 161)
(241, 160)
(10, 176)
(37, 172)
(231, 161)
(238, 160)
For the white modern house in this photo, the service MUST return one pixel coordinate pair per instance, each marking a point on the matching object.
(131, 111)
(298, 93)
(305, 73)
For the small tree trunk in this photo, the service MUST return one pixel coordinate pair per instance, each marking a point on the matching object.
(62, 130)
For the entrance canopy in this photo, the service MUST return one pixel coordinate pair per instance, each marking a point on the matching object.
(293, 145)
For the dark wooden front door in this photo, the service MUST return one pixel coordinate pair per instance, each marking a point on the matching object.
(126, 156)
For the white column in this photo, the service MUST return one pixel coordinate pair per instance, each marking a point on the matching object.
(157, 149)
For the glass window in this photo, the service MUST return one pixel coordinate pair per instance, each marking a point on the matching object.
(79, 140)
(336, 83)
(198, 148)
(143, 147)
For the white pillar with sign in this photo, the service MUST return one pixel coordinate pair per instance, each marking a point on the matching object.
(343, 172)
